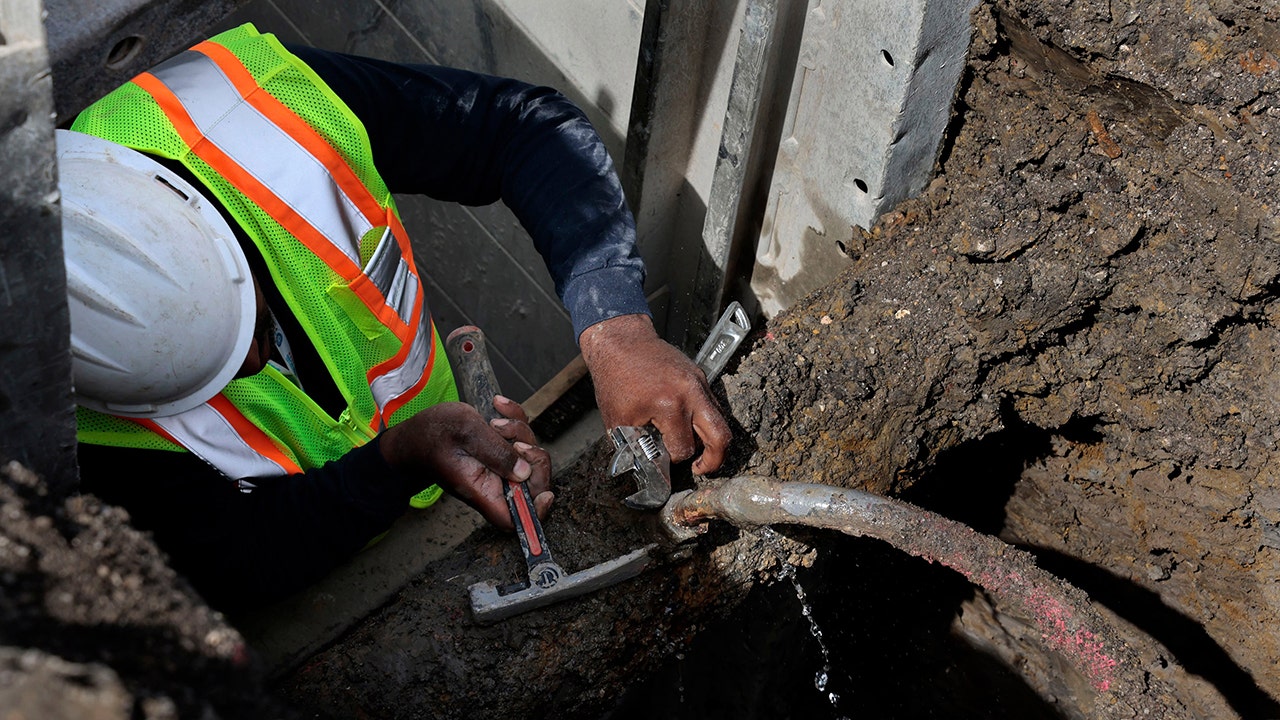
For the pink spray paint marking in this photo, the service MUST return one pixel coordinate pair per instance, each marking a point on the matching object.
(1052, 616)
(1054, 619)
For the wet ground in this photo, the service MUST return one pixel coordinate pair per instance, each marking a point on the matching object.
(1069, 341)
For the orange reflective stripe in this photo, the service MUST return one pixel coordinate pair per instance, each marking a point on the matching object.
(365, 288)
(296, 127)
(253, 436)
(402, 237)
(155, 428)
(396, 361)
(281, 211)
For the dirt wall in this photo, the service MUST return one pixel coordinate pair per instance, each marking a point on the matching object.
(1097, 262)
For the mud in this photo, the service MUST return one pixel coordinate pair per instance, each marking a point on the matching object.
(1069, 341)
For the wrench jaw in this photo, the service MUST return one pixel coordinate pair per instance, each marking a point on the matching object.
(641, 452)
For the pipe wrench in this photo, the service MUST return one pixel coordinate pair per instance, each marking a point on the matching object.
(640, 450)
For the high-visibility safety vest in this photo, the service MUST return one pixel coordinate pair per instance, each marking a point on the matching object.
(293, 166)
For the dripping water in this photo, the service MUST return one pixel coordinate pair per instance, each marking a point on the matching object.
(822, 678)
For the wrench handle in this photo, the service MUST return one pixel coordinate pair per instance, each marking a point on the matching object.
(477, 386)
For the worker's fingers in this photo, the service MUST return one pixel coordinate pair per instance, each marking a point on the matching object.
(509, 408)
(641, 379)
(715, 434)
(540, 463)
(497, 454)
(484, 490)
(469, 458)
(514, 430)
(542, 503)
(471, 481)
(676, 426)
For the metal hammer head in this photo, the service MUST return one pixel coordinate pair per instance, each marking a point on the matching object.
(489, 604)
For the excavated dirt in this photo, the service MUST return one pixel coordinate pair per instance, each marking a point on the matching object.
(1069, 341)
(1087, 290)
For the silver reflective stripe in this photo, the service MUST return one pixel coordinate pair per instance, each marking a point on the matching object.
(390, 273)
(264, 150)
(206, 433)
(398, 381)
(408, 293)
(382, 266)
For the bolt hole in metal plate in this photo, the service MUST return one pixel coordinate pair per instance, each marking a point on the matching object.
(124, 51)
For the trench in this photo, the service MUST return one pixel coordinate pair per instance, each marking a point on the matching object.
(869, 631)
(887, 620)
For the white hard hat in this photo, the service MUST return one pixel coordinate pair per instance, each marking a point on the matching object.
(161, 298)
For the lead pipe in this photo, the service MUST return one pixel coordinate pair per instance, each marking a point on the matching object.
(1068, 623)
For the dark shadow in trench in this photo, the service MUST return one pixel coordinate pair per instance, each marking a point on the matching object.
(885, 619)
(973, 483)
(1193, 647)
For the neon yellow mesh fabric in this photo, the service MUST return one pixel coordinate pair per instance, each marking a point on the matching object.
(98, 428)
(337, 323)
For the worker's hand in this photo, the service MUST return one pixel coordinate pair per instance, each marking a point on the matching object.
(451, 445)
(641, 379)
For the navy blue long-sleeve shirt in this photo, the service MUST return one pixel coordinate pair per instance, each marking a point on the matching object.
(452, 135)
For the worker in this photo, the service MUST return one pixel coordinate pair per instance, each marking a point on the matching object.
(259, 381)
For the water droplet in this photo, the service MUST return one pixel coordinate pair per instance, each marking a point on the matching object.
(790, 572)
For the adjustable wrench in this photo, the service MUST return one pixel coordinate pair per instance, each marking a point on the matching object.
(640, 450)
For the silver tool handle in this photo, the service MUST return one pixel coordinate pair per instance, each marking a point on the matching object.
(724, 338)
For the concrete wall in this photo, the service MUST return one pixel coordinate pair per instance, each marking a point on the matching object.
(37, 422)
(479, 264)
(870, 102)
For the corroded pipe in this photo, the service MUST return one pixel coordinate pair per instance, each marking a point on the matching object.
(1064, 615)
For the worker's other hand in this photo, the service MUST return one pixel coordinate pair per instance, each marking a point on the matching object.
(451, 444)
(641, 379)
